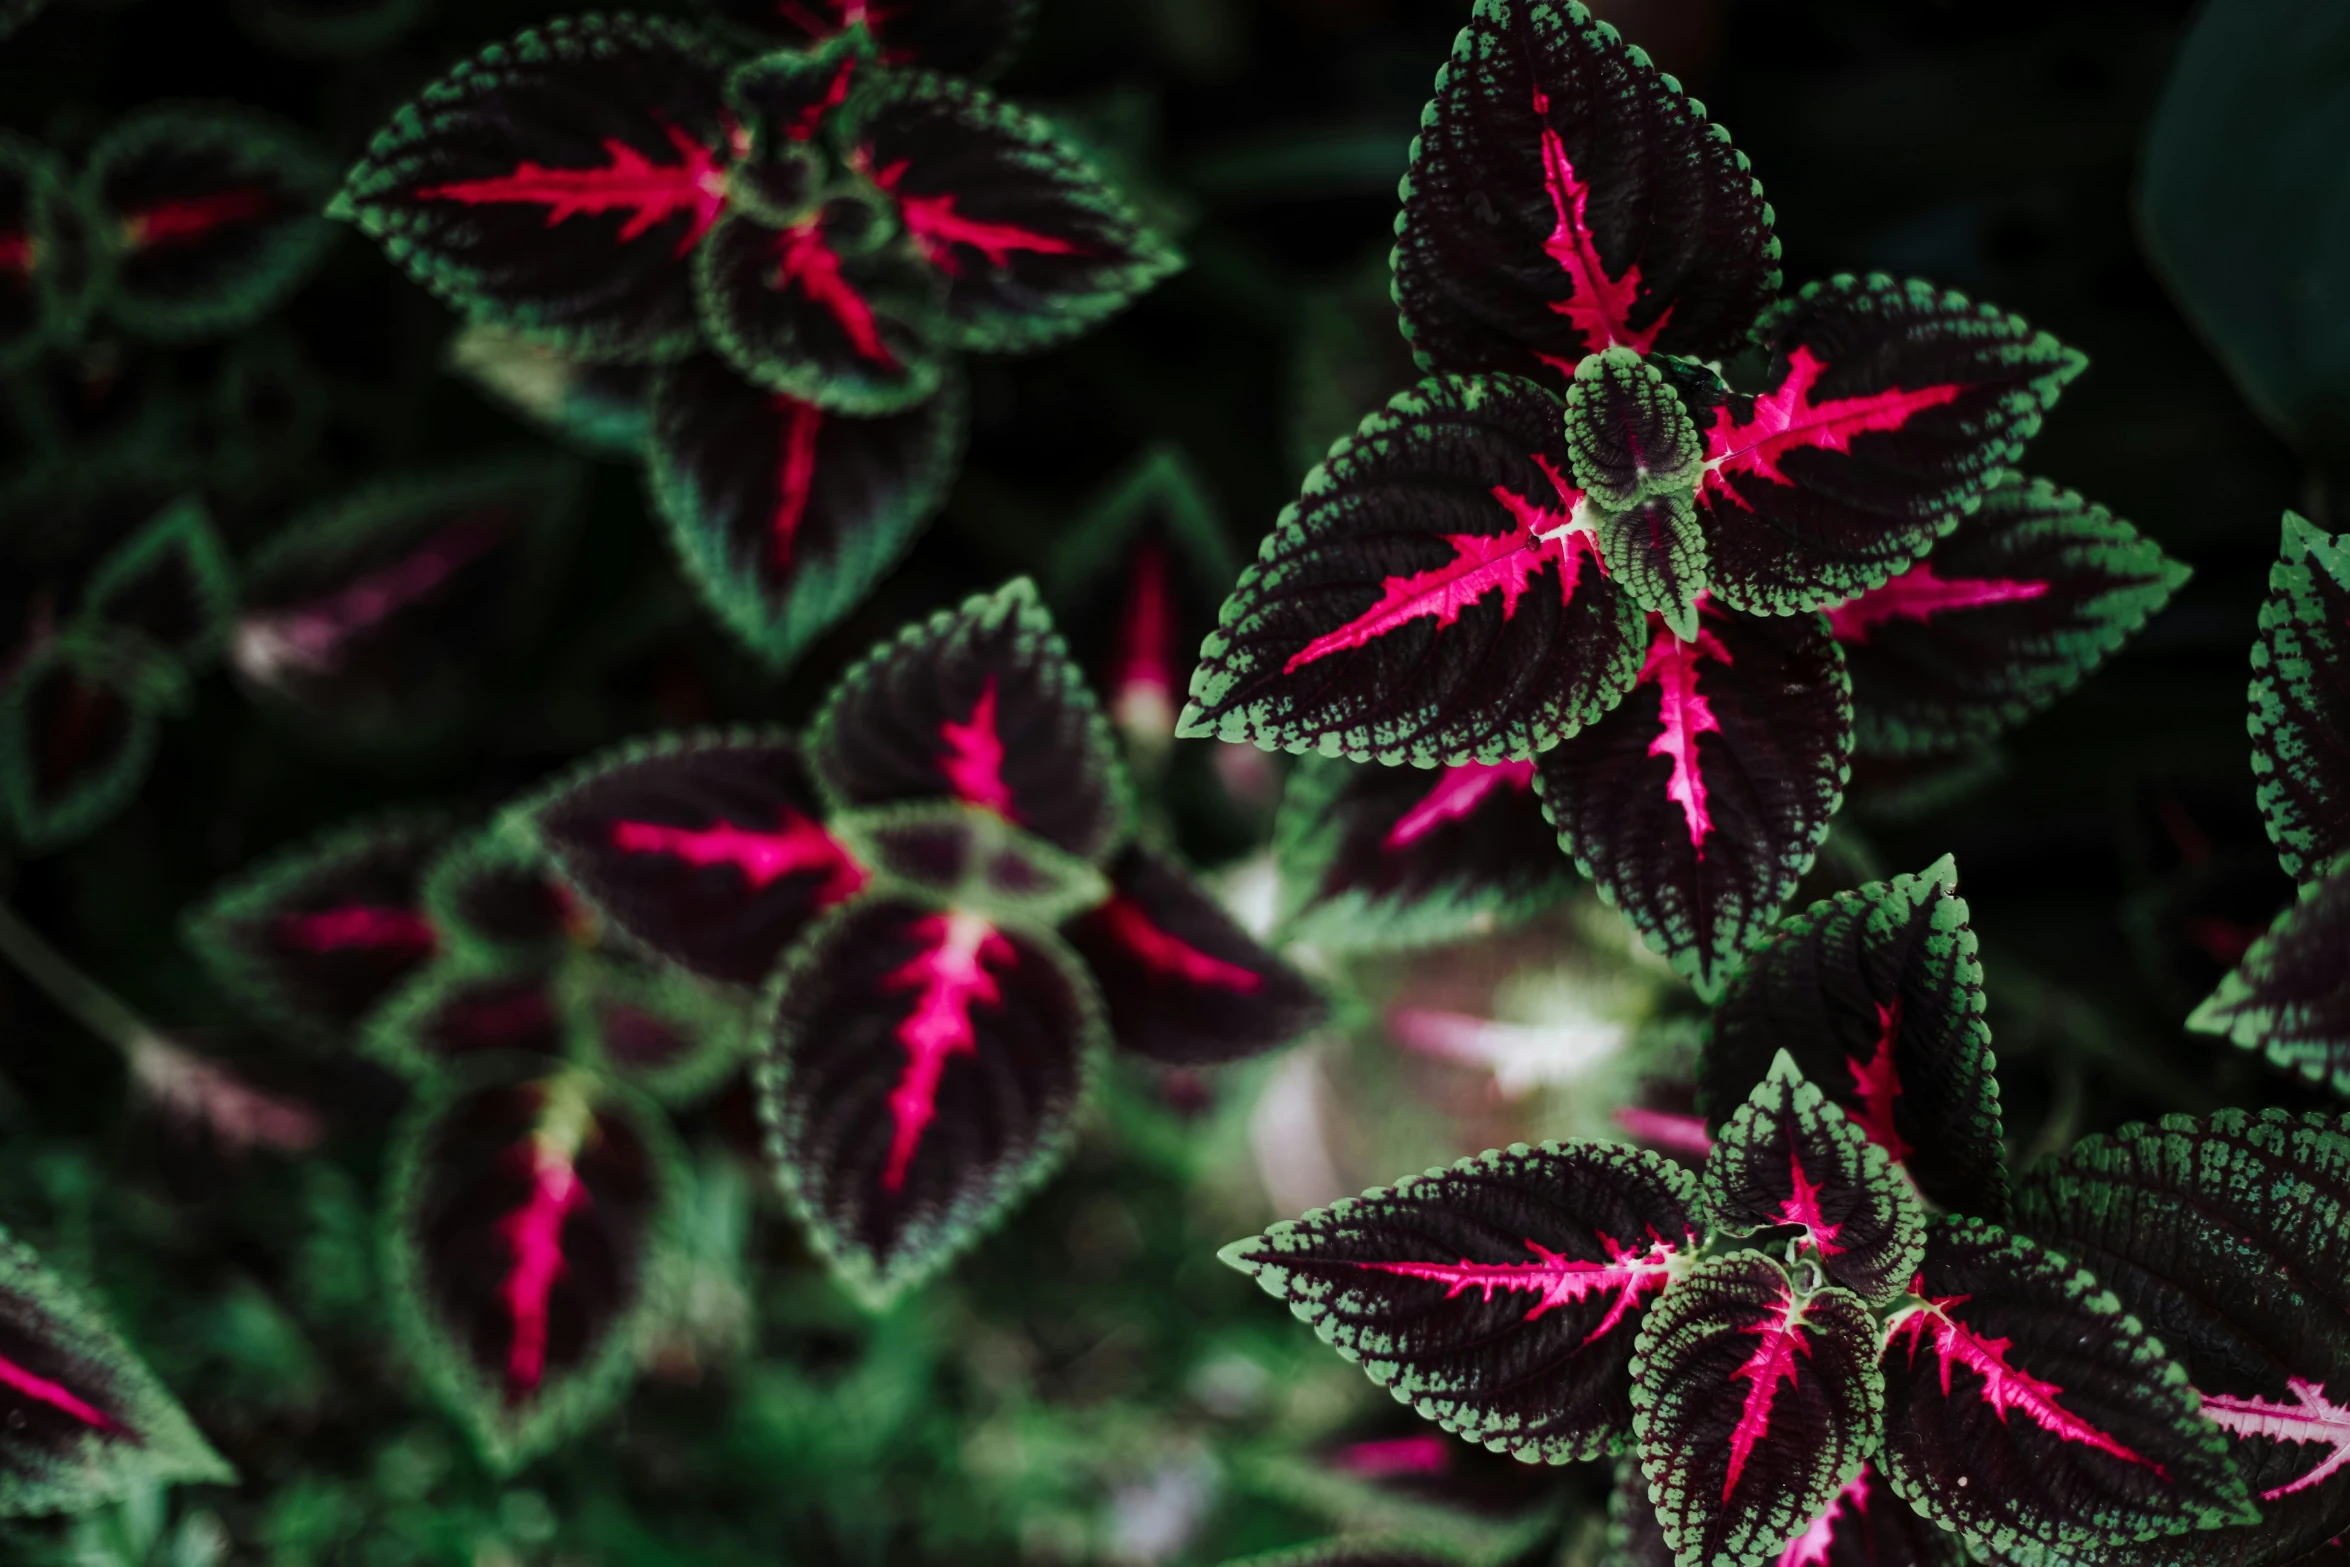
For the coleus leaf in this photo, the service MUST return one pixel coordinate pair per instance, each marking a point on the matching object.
(2290, 997)
(493, 900)
(836, 308)
(972, 858)
(708, 850)
(2229, 1236)
(1500, 1297)
(783, 100)
(1878, 996)
(1753, 1401)
(1034, 245)
(667, 1035)
(78, 726)
(555, 184)
(1866, 1525)
(83, 1421)
(922, 1068)
(1697, 803)
(32, 183)
(1183, 984)
(378, 617)
(2015, 1371)
(1790, 1159)
(599, 409)
(2301, 700)
(171, 582)
(528, 1212)
(979, 704)
(211, 214)
(1635, 1536)
(313, 937)
(1637, 458)
(1434, 595)
(457, 1011)
(1393, 856)
(1888, 409)
(2034, 589)
(784, 515)
(968, 37)
(1565, 196)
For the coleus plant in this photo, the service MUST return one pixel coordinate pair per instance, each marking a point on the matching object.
(797, 242)
(185, 221)
(1577, 550)
(2290, 996)
(105, 632)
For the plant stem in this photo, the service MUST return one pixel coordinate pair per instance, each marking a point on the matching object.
(90, 1003)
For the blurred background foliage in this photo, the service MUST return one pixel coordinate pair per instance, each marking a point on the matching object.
(1090, 1385)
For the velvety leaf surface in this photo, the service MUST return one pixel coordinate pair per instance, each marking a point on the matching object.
(1500, 1297)
(1565, 196)
(170, 582)
(1183, 984)
(375, 619)
(2229, 1237)
(2016, 1372)
(1699, 801)
(1790, 1158)
(1034, 244)
(2301, 701)
(1753, 1403)
(77, 732)
(556, 184)
(708, 850)
(312, 938)
(1887, 411)
(922, 1066)
(526, 1217)
(1391, 856)
(2290, 997)
(838, 308)
(970, 857)
(968, 37)
(1429, 597)
(1878, 996)
(2030, 593)
(83, 1421)
(979, 704)
(212, 215)
(784, 515)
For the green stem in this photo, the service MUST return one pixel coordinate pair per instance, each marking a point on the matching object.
(90, 1003)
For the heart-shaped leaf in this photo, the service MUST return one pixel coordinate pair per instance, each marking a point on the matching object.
(528, 1212)
(2229, 1236)
(313, 937)
(1790, 1158)
(1697, 804)
(1565, 196)
(922, 1067)
(2290, 997)
(82, 1420)
(377, 619)
(1184, 984)
(970, 857)
(968, 37)
(784, 515)
(493, 900)
(1434, 595)
(1395, 856)
(600, 410)
(708, 850)
(666, 1034)
(1033, 243)
(456, 1011)
(979, 704)
(2301, 700)
(1754, 1402)
(32, 184)
(1888, 409)
(2034, 589)
(170, 582)
(2015, 1372)
(555, 184)
(1878, 996)
(1499, 1298)
(211, 213)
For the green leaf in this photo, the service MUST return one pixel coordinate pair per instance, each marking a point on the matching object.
(493, 900)
(170, 582)
(971, 858)
(601, 410)
(2290, 997)
(668, 1035)
(82, 1420)
(2301, 700)
(77, 732)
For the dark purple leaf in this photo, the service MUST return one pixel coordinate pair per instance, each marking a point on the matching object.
(2301, 700)
(2290, 997)
(967, 37)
